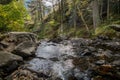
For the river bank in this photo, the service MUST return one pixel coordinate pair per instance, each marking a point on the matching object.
(15, 48)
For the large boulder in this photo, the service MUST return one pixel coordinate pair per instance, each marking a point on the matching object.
(22, 44)
(20, 37)
(25, 49)
(7, 58)
(8, 62)
(10, 40)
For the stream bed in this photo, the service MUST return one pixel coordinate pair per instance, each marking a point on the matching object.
(55, 60)
(74, 59)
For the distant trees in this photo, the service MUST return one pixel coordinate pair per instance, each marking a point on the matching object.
(38, 12)
(73, 14)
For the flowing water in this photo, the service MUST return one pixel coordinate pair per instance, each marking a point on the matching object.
(55, 60)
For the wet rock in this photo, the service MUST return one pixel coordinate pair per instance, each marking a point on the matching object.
(116, 63)
(54, 59)
(101, 37)
(108, 53)
(57, 39)
(72, 78)
(1, 47)
(111, 45)
(98, 78)
(81, 42)
(108, 71)
(4, 44)
(116, 56)
(8, 63)
(104, 55)
(7, 58)
(100, 62)
(92, 49)
(86, 52)
(79, 74)
(25, 49)
(22, 75)
(82, 63)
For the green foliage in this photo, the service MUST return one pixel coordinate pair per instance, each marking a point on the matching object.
(52, 23)
(105, 30)
(79, 32)
(12, 16)
(50, 29)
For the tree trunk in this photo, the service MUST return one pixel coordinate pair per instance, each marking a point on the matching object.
(82, 18)
(74, 16)
(108, 9)
(61, 10)
(96, 15)
(53, 8)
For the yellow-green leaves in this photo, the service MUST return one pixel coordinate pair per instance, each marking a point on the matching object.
(12, 16)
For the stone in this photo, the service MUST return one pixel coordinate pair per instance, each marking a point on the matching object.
(19, 37)
(100, 62)
(116, 63)
(8, 63)
(108, 53)
(25, 49)
(12, 39)
(22, 74)
(86, 53)
(92, 49)
(7, 58)
(115, 27)
(101, 37)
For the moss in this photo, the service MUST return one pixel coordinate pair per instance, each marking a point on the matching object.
(105, 30)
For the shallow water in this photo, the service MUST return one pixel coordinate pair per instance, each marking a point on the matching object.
(54, 60)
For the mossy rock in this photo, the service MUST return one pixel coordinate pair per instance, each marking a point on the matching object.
(105, 31)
